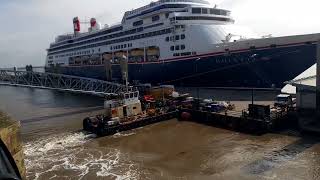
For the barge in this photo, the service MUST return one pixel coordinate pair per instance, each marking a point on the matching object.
(257, 119)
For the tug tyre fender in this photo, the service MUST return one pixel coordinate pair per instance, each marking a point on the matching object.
(86, 124)
(185, 116)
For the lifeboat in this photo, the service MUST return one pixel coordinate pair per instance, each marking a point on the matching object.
(77, 61)
(136, 55)
(120, 54)
(85, 60)
(95, 60)
(137, 52)
(153, 53)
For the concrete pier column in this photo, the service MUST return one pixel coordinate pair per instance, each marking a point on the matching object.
(108, 67)
(124, 69)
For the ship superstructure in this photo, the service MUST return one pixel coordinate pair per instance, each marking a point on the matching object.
(178, 41)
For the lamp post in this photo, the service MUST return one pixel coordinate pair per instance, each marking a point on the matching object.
(196, 75)
(124, 69)
(252, 95)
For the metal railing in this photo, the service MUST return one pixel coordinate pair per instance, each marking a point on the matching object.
(60, 82)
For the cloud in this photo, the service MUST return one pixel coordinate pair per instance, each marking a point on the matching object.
(27, 27)
(277, 17)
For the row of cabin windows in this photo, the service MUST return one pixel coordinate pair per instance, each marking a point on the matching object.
(210, 11)
(109, 31)
(165, 6)
(138, 23)
(132, 31)
(120, 40)
(153, 25)
(76, 53)
(185, 54)
(124, 33)
(184, 18)
(177, 37)
(178, 47)
(121, 46)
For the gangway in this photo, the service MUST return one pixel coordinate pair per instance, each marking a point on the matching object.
(61, 82)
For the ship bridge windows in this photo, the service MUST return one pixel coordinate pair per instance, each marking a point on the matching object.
(219, 12)
(194, 18)
(204, 11)
(210, 11)
(164, 6)
(196, 10)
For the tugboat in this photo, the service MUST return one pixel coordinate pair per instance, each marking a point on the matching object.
(126, 112)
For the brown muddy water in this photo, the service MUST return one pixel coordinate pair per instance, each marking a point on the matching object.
(56, 148)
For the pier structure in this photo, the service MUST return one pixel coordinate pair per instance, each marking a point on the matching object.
(61, 82)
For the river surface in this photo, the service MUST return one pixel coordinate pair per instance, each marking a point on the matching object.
(56, 148)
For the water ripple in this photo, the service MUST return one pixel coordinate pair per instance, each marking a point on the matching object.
(59, 156)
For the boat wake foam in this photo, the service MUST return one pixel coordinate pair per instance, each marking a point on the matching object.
(66, 155)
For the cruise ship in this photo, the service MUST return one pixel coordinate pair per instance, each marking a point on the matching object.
(181, 42)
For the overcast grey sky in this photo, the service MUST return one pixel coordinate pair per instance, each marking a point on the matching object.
(28, 26)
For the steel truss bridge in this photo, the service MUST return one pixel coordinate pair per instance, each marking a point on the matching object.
(61, 82)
